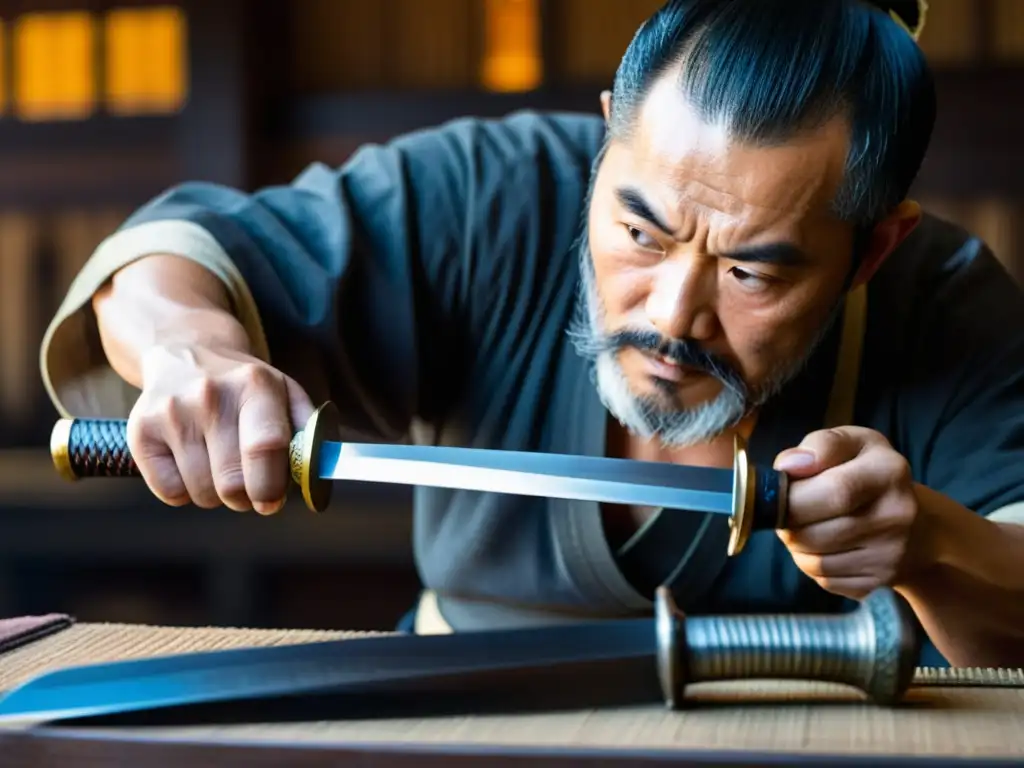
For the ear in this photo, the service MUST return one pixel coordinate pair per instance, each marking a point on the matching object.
(886, 237)
(606, 104)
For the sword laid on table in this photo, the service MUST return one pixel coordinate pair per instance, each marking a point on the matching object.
(754, 498)
(608, 663)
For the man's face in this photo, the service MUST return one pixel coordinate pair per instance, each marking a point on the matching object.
(716, 267)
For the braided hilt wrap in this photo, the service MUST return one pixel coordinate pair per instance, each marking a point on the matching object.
(874, 648)
(84, 448)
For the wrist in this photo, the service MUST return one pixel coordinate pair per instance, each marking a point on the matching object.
(164, 302)
(948, 535)
(933, 538)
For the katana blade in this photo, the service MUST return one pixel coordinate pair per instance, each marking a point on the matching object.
(754, 498)
(395, 664)
(560, 476)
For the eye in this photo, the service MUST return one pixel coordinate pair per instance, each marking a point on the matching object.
(642, 239)
(750, 280)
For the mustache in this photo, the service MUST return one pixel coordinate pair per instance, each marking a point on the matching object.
(680, 351)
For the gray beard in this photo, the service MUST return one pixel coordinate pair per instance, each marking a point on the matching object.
(647, 417)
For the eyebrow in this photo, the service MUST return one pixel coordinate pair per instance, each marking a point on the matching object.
(780, 254)
(633, 201)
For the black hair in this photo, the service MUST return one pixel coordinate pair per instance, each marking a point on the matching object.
(770, 68)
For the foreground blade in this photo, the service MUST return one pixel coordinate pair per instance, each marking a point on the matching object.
(587, 478)
(396, 664)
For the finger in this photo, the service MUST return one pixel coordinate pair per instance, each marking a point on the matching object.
(854, 588)
(194, 463)
(837, 534)
(264, 431)
(842, 490)
(824, 449)
(226, 462)
(154, 458)
(300, 407)
(849, 564)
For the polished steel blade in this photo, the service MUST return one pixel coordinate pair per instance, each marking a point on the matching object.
(552, 475)
(618, 657)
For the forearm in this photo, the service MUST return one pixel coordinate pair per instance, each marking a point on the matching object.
(163, 300)
(969, 591)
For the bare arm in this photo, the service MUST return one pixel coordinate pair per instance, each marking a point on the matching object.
(970, 597)
(163, 300)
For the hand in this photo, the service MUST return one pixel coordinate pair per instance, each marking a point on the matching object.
(212, 427)
(852, 510)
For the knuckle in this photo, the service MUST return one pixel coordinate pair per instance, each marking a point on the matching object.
(257, 376)
(168, 412)
(265, 439)
(898, 469)
(844, 492)
(205, 394)
(231, 489)
(230, 483)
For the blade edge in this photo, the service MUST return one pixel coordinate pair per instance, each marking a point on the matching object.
(385, 662)
(565, 477)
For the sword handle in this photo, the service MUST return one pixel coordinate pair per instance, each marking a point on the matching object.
(759, 498)
(874, 648)
(90, 448)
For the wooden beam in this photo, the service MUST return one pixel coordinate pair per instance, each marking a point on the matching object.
(236, 63)
(213, 131)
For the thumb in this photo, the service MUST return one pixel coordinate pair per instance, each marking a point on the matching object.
(797, 462)
(824, 449)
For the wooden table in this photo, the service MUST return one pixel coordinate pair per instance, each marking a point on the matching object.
(736, 724)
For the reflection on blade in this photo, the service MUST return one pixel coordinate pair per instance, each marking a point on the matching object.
(391, 663)
(587, 478)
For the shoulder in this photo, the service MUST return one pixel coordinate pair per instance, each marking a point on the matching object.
(477, 148)
(943, 372)
(945, 292)
(518, 134)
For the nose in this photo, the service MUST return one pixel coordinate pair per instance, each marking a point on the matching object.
(681, 302)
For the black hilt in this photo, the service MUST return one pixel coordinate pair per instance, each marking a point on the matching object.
(874, 648)
(92, 448)
(87, 448)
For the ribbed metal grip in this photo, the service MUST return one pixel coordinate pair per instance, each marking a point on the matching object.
(874, 648)
(84, 448)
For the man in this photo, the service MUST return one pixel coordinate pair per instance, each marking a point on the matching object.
(731, 250)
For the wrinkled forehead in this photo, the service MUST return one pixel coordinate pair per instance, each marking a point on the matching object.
(672, 146)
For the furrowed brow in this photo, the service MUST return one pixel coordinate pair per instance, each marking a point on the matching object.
(779, 254)
(633, 201)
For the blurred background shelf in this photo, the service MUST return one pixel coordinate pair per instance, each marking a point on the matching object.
(104, 104)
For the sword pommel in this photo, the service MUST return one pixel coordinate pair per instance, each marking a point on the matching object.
(758, 498)
(304, 455)
(873, 648)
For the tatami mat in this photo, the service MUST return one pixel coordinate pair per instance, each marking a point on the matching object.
(765, 716)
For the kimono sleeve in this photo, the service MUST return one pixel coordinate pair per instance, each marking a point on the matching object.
(354, 280)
